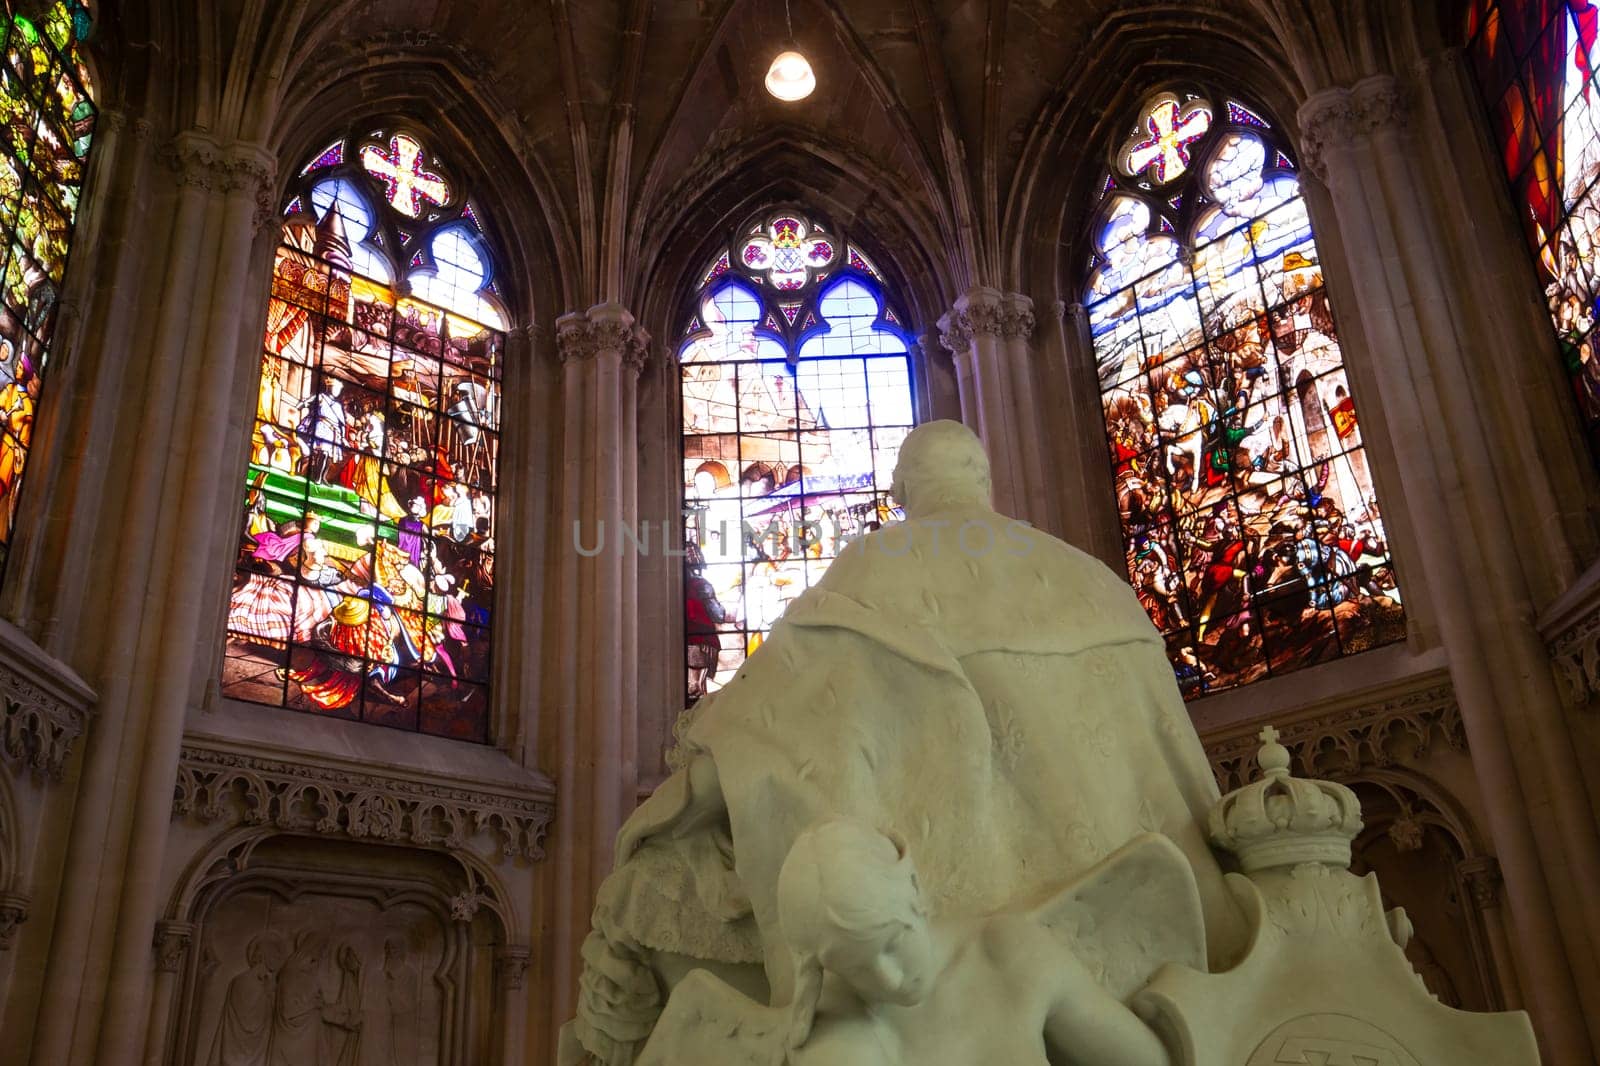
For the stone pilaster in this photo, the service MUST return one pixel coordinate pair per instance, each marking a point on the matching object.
(154, 614)
(601, 352)
(989, 334)
(1417, 352)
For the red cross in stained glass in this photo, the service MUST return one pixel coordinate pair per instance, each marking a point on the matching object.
(401, 171)
(1166, 149)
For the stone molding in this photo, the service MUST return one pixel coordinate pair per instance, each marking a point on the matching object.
(1341, 742)
(986, 312)
(311, 798)
(44, 707)
(608, 327)
(1333, 119)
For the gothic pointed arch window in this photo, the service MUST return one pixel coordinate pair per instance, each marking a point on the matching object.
(364, 584)
(796, 393)
(1534, 63)
(1251, 527)
(47, 119)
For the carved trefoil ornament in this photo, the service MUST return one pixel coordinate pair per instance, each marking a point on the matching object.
(1575, 657)
(37, 728)
(1342, 742)
(307, 798)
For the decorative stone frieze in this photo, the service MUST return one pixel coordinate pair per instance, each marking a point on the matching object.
(37, 729)
(44, 707)
(303, 797)
(1334, 118)
(1575, 657)
(1345, 741)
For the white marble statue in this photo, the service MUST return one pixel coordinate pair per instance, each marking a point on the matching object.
(879, 983)
(961, 692)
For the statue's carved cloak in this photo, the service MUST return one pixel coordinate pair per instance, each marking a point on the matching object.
(992, 694)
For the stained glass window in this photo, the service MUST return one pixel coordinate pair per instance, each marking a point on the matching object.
(364, 586)
(47, 109)
(796, 396)
(1252, 531)
(1534, 63)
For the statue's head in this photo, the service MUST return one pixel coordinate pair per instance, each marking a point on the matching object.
(941, 464)
(849, 903)
(265, 950)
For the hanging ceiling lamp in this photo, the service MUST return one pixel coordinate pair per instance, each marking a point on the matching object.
(790, 77)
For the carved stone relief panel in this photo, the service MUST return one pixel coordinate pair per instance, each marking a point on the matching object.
(321, 980)
(302, 966)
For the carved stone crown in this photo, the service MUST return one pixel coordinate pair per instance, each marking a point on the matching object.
(1285, 821)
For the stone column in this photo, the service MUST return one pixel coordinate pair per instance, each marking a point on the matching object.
(1416, 347)
(172, 951)
(1480, 881)
(511, 970)
(988, 333)
(601, 352)
(96, 998)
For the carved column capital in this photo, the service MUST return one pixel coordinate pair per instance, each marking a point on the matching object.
(606, 328)
(985, 312)
(1334, 119)
(574, 337)
(1016, 316)
(1482, 879)
(111, 121)
(511, 963)
(172, 944)
(198, 160)
(195, 158)
(637, 351)
(13, 912)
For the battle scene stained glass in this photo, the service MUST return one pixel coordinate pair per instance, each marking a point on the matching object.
(1251, 527)
(47, 119)
(796, 395)
(364, 587)
(1534, 63)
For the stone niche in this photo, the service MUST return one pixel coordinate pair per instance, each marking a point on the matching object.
(318, 953)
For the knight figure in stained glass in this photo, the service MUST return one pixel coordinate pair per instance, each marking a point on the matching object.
(1251, 527)
(796, 392)
(364, 586)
